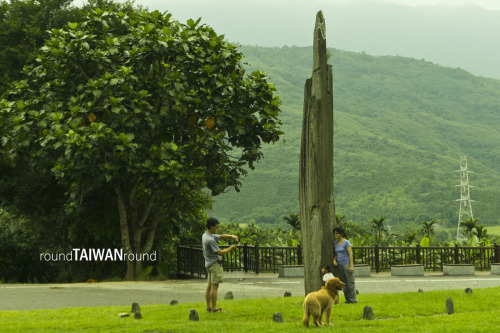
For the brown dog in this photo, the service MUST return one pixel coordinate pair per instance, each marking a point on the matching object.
(321, 301)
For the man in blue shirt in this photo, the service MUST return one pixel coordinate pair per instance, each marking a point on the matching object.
(213, 261)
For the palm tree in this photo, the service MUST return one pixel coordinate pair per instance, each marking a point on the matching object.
(410, 237)
(338, 219)
(294, 221)
(428, 229)
(481, 231)
(470, 226)
(378, 229)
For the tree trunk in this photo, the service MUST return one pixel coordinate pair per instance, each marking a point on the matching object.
(131, 228)
(316, 164)
(138, 229)
(134, 268)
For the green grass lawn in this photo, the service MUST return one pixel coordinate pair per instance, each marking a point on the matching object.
(404, 312)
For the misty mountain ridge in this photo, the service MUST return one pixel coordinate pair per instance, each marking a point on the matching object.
(466, 37)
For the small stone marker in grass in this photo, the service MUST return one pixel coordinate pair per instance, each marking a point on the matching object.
(135, 308)
(449, 306)
(278, 317)
(368, 313)
(193, 315)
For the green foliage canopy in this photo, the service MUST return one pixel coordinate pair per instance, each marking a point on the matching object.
(23, 29)
(144, 104)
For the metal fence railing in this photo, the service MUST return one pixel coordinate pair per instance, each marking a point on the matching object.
(259, 259)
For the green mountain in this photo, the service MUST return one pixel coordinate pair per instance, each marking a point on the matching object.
(401, 126)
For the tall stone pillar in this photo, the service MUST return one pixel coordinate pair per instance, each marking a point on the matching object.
(316, 164)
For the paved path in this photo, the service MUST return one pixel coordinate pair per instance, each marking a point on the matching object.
(243, 285)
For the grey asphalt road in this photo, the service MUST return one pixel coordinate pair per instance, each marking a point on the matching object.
(242, 285)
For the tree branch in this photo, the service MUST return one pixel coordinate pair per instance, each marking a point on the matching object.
(132, 200)
(122, 212)
(160, 215)
(147, 211)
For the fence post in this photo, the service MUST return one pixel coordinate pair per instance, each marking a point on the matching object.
(178, 260)
(232, 262)
(377, 260)
(245, 257)
(191, 259)
(299, 254)
(418, 254)
(256, 258)
(457, 259)
(497, 253)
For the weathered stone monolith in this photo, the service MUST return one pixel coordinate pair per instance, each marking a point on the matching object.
(316, 164)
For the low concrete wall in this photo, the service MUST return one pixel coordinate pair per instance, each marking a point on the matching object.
(454, 270)
(407, 270)
(495, 269)
(291, 271)
(298, 271)
(362, 270)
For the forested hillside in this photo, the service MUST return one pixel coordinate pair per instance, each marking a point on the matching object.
(401, 126)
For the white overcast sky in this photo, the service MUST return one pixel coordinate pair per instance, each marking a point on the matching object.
(487, 4)
(159, 4)
(218, 4)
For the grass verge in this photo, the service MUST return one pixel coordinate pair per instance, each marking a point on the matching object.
(415, 312)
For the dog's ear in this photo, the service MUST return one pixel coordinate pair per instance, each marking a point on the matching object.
(340, 284)
(330, 284)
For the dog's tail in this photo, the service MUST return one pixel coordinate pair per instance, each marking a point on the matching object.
(305, 320)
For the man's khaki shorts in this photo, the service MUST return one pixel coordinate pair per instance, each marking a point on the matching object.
(215, 274)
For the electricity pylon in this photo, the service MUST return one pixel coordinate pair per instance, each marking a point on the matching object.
(465, 211)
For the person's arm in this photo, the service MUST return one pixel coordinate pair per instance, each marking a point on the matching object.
(351, 261)
(335, 260)
(236, 239)
(229, 249)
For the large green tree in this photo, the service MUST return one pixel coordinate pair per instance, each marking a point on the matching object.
(144, 105)
(24, 26)
(34, 196)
